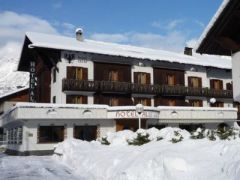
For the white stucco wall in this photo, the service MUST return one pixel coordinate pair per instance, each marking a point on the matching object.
(145, 69)
(196, 71)
(30, 130)
(56, 88)
(236, 76)
(221, 74)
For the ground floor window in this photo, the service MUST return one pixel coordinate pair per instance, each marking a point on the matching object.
(76, 99)
(14, 135)
(50, 134)
(190, 127)
(158, 126)
(217, 104)
(143, 101)
(196, 103)
(129, 124)
(87, 133)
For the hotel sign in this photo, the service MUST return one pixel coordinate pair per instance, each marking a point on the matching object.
(132, 114)
(32, 84)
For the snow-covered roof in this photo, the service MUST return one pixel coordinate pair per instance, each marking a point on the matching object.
(212, 22)
(13, 92)
(71, 44)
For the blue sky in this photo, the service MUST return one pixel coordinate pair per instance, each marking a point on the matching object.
(168, 24)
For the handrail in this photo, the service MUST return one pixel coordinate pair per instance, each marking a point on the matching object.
(127, 87)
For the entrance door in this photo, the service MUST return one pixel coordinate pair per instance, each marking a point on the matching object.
(87, 133)
(131, 124)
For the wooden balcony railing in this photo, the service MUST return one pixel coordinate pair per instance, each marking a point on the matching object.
(125, 87)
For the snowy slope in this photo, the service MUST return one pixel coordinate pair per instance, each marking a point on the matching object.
(10, 79)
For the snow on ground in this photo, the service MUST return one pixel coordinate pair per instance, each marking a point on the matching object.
(190, 159)
(187, 160)
(34, 168)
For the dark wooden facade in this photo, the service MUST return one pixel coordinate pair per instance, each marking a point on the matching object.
(168, 77)
(43, 88)
(170, 101)
(112, 72)
(21, 96)
(113, 99)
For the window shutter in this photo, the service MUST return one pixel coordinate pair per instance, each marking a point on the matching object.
(190, 82)
(85, 74)
(221, 84)
(148, 78)
(69, 99)
(70, 72)
(84, 99)
(212, 83)
(199, 82)
(229, 86)
(135, 77)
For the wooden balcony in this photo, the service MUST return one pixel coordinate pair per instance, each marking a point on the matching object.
(125, 87)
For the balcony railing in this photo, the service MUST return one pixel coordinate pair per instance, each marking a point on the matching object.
(125, 87)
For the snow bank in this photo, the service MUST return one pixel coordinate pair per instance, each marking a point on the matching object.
(122, 137)
(190, 159)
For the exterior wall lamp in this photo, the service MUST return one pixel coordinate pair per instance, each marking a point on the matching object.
(139, 110)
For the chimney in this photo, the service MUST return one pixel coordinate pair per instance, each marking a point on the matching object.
(79, 34)
(188, 51)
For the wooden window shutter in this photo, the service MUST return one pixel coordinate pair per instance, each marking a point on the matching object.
(135, 74)
(229, 86)
(148, 78)
(221, 84)
(70, 72)
(69, 99)
(190, 82)
(200, 82)
(96, 99)
(84, 99)
(212, 83)
(85, 73)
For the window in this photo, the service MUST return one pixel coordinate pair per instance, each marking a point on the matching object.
(141, 78)
(229, 86)
(87, 133)
(79, 73)
(76, 99)
(216, 84)
(143, 101)
(171, 79)
(217, 104)
(195, 82)
(54, 99)
(14, 135)
(50, 134)
(196, 103)
(54, 74)
(113, 75)
(171, 102)
(113, 101)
